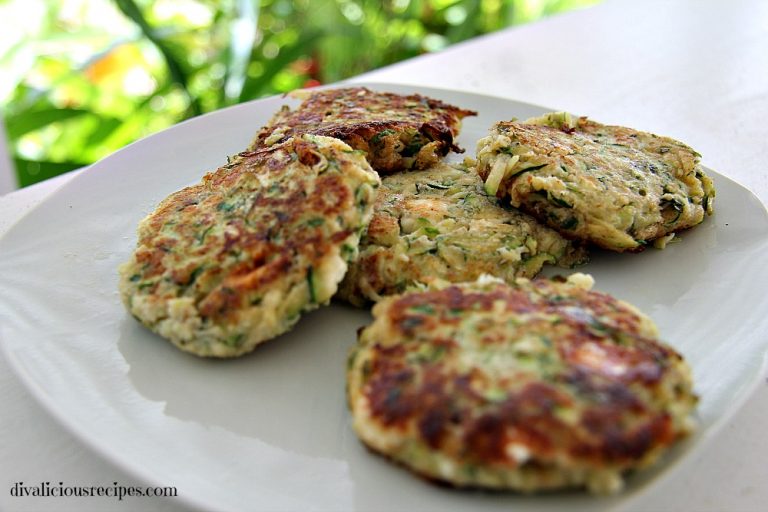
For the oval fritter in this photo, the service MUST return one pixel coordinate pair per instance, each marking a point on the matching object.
(397, 132)
(440, 223)
(616, 187)
(233, 261)
(537, 386)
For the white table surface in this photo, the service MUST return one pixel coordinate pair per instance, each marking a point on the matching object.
(696, 70)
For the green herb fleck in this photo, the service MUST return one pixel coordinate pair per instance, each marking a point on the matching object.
(559, 202)
(366, 371)
(348, 251)
(235, 340)
(671, 209)
(437, 353)
(310, 284)
(423, 308)
(195, 274)
(201, 237)
(536, 168)
(569, 223)
(376, 139)
(361, 195)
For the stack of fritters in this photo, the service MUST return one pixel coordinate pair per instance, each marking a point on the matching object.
(473, 374)
(396, 132)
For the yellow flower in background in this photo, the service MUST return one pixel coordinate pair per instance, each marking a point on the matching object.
(124, 66)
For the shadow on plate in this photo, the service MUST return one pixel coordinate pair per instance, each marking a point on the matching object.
(289, 392)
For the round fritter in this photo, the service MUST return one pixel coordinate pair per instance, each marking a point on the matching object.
(233, 261)
(616, 187)
(440, 223)
(397, 132)
(537, 386)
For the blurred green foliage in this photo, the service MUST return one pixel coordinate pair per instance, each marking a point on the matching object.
(83, 78)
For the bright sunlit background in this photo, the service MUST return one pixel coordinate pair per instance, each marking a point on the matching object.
(82, 78)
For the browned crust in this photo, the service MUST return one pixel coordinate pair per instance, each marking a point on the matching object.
(269, 238)
(619, 424)
(378, 123)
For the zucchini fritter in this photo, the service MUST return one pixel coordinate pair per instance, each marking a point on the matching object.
(396, 132)
(440, 223)
(616, 187)
(233, 261)
(537, 386)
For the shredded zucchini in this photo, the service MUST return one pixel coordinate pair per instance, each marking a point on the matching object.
(554, 119)
(498, 172)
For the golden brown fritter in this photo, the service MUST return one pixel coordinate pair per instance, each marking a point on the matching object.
(233, 261)
(397, 132)
(440, 223)
(616, 187)
(537, 386)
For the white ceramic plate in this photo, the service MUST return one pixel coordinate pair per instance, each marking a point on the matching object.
(270, 431)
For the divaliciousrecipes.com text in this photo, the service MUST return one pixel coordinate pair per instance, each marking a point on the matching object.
(62, 490)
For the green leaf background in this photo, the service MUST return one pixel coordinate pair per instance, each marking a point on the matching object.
(149, 65)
